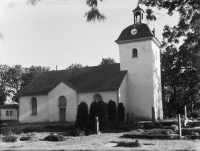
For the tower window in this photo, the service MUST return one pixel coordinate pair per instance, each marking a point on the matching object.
(134, 53)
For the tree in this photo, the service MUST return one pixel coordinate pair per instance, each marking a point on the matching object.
(3, 83)
(107, 61)
(14, 79)
(180, 63)
(75, 69)
(121, 112)
(112, 111)
(92, 113)
(82, 115)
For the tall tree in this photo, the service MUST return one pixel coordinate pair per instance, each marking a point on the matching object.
(4, 92)
(180, 63)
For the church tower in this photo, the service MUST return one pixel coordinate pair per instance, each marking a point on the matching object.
(139, 52)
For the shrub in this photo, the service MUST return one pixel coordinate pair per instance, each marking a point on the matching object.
(9, 138)
(121, 112)
(49, 127)
(90, 125)
(112, 111)
(77, 132)
(102, 115)
(193, 114)
(29, 130)
(82, 115)
(92, 113)
(25, 138)
(54, 138)
(174, 128)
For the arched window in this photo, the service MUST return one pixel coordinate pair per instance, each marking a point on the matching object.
(33, 106)
(97, 97)
(62, 101)
(134, 53)
(7, 113)
(10, 113)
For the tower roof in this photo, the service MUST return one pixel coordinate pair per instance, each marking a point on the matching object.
(143, 31)
(138, 9)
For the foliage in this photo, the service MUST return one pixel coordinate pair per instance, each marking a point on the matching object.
(112, 111)
(9, 138)
(78, 132)
(180, 60)
(82, 115)
(54, 138)
(193, 114)
(121, 112)
(29, 130)
(93, 14)
(25, 138)
(102, 114)
(92, 113)
(14, 79)
(107, 61)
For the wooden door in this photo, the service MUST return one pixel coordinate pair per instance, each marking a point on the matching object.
(62, 114)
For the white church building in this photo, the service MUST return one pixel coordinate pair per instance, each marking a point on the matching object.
(136, 82)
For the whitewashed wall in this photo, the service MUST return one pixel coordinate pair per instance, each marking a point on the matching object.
(4, 117)
(157, 82)
(25, 109)
(123, 94)
(139, 77)
(71, 108)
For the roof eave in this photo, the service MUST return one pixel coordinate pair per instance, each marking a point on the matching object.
(99, 90)
(34, 93)
(125, 41)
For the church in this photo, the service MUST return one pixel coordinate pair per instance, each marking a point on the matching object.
(136, 82)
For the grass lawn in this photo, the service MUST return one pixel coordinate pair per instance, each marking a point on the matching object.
(98, 142)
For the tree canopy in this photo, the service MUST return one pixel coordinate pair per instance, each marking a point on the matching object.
(180, 59)
(14, 79)
(107, 61)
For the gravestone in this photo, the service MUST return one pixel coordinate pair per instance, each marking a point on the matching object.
(127, 118)
(97, 125)
(185, 116)
(153, 115)
(179, 125)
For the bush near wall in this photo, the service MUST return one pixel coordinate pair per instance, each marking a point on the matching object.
(112, 111)
(82, 115)
(102, 114)
(121, 112)
(92, 113)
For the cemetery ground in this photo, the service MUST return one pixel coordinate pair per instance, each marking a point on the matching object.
(151, 136)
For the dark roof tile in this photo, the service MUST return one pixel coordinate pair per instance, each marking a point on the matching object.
(104, 78)
(9, 106)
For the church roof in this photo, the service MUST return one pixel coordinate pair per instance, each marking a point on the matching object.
(9, 106)
(143, 31)
(97, 78)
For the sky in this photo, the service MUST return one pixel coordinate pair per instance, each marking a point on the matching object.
(55, 32)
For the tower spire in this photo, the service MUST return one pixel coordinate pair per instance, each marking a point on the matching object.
(138, 14)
